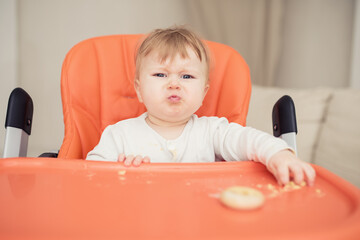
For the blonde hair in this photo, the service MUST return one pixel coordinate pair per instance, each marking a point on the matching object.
(169, 42)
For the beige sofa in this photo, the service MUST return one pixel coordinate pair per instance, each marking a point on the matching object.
(328, 123)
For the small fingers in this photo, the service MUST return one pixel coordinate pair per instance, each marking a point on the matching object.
(121, 157)
(286, 167)
(297, 172)
(282, 174)
(310, 174)
(302, 172)
(128, 160)
(138, 160)
(133, 160)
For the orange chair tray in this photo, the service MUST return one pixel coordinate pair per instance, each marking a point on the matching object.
(75, 199)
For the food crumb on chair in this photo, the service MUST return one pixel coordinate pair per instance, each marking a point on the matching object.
(293, 186)
(319, 192)
(270, 187)
(122, 178)
(275, 191)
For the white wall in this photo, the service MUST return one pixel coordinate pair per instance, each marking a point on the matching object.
(8, 58)
(355, 64)
(317, 44)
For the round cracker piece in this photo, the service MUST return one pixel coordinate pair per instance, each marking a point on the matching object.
(243, 198)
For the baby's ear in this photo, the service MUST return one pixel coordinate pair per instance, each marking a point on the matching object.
(206, 89)
(137, 89)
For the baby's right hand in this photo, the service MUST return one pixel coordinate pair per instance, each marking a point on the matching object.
(134, 160)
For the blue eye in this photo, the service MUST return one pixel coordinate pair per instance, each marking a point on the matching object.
(187, 76)
(159, 75)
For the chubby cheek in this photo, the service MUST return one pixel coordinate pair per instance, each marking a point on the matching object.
(200, 99)
(197, 97)
(150, 96)
(145, 92)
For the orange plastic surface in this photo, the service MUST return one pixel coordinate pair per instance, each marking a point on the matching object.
(74, 199)
(97, 89)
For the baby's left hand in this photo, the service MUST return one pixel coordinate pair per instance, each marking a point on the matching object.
(284, 165)
(132, 160)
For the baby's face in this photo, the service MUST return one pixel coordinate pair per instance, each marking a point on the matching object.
(172, 90)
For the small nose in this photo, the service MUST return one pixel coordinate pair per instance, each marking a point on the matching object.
(173, 83)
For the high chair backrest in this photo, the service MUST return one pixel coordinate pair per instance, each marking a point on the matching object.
(97, 89)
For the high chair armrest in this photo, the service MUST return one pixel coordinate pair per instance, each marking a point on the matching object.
(284, 121)
(18, 123)
(49, 154)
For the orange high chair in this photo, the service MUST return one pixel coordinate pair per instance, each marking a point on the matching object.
(97, 89)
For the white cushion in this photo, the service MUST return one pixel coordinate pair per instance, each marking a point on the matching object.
(339, 140)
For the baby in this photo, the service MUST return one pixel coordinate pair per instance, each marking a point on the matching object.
(172, 79)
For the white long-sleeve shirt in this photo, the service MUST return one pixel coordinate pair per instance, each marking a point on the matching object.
(203, 139)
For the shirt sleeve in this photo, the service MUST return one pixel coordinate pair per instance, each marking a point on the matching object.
(234, 142)
(107, 148)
